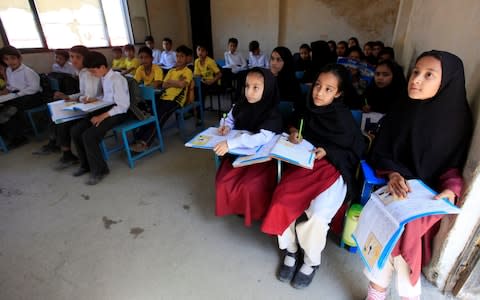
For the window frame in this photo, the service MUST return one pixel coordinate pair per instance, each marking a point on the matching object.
(45, 48)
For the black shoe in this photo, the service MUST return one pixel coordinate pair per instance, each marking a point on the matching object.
(17, 142)
(51, 147)
(95, 179)
(285, 273)
(66, 161)
(81, 171)
(301, 280)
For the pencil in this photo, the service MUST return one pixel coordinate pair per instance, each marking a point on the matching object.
(300, 130)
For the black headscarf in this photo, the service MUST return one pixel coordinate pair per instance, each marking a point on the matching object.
(333, 128)
(263, 114)
(424, 138)
(321, 55)
(381, 99)
(288, 84)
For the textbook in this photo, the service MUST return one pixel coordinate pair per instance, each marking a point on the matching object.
(62, 111)
(210, 137)
(7, 97)
(280, 148)
(384, 217)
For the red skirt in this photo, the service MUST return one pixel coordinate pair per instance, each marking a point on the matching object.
(245, 190)
(295, 192)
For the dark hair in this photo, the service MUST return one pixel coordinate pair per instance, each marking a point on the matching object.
(80, 49)
(305, 46)
(355, 40)
(201, 45)
(369, 43)
(63, 53)
(116, 49)
(10, 50)
(379, 43)
(168, 40)
(129, 47)
(254, 45)
(339, 71)
(149, 38)
(343, 43)
(145, 50)
(95, 59)
(184, 50)
(332, 42)
(388, 51)
(233, 41)
(356, 49)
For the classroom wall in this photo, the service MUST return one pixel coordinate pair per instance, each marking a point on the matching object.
(446, 25)
(291, 23)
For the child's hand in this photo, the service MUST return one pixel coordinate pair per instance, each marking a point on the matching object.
(446, 193)
(366, 108)
(59, 95)
(99, 119)
(294, 137)
(319, 153)
(209, 82)
(89, 100)
(4, 92)
(223, 130)
(398, 186)
(221, 148)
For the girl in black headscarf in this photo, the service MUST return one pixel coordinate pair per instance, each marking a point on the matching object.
(282, 67)
(320, 192)
(425, 136)
(388, 85)
(248, 190)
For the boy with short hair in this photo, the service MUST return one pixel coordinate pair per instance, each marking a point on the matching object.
(168, 57)
(148, 73)
(118, 62)
(206, 67)
(256, 58)
(21, 93)
(88, 133)
(233, 59)
(62, 64)
(176, 85)
(156, 53)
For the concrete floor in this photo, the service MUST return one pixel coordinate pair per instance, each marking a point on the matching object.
(146, 233)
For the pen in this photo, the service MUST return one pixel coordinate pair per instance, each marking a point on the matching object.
(224, 119)
(300, 130)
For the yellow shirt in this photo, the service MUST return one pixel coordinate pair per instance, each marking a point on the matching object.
(2, 83)
(174, 93)
(208, 70)
(118, 63)
(132, 63)
(156, 74)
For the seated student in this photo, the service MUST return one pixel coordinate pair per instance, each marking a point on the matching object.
(321, 56)
(118, 62)
(233, 59)
(333, 47)
(148, 73)
(23, 91)
(255, 57)
(342, 47)
(248, 190)
(367, 51)
(376, 48)
(168, 56)
(62, 65)
(387, 53)
(389, 84)
(304, 61)
(416, 142)
(353, 42)
(320, 192)
(206, 68)
(356, 53)
(156, 53)
(131, 62)
(176, 84)
(281, 66)
(90, 88)
(88, 133)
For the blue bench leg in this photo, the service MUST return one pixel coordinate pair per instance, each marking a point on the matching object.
(366, 192)
(3, 146)
(131, 162)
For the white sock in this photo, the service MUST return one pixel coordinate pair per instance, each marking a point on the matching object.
(289, 261)
(306, 269)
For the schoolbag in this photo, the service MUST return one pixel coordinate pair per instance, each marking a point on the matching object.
(138, 107)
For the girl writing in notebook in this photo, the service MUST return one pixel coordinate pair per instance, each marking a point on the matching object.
(416, 141)
(248, 190)
(319, 193)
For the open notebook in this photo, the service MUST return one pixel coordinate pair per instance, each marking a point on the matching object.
(62, 111)
(383, 220)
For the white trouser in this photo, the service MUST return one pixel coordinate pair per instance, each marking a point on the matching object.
(312, 234)
(384, 276)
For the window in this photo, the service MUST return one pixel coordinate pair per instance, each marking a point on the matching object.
(19, 24)
(65, 23)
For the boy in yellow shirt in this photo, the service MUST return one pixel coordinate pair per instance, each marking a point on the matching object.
(148, 73)
(118, 62)
(206, 67)
(176, 85)
(131, 62)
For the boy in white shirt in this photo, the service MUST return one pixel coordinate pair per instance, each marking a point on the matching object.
(233, 59)
(22, 92)
(168, 59)
(256, 58)
(88, 133)
(156, 53)
(62, 65)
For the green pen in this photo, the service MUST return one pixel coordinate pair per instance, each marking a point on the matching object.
(366, 103)
(224, 119)
(300, 131)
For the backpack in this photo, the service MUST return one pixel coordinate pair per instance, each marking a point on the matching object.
(47, 92)
(138, 107)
